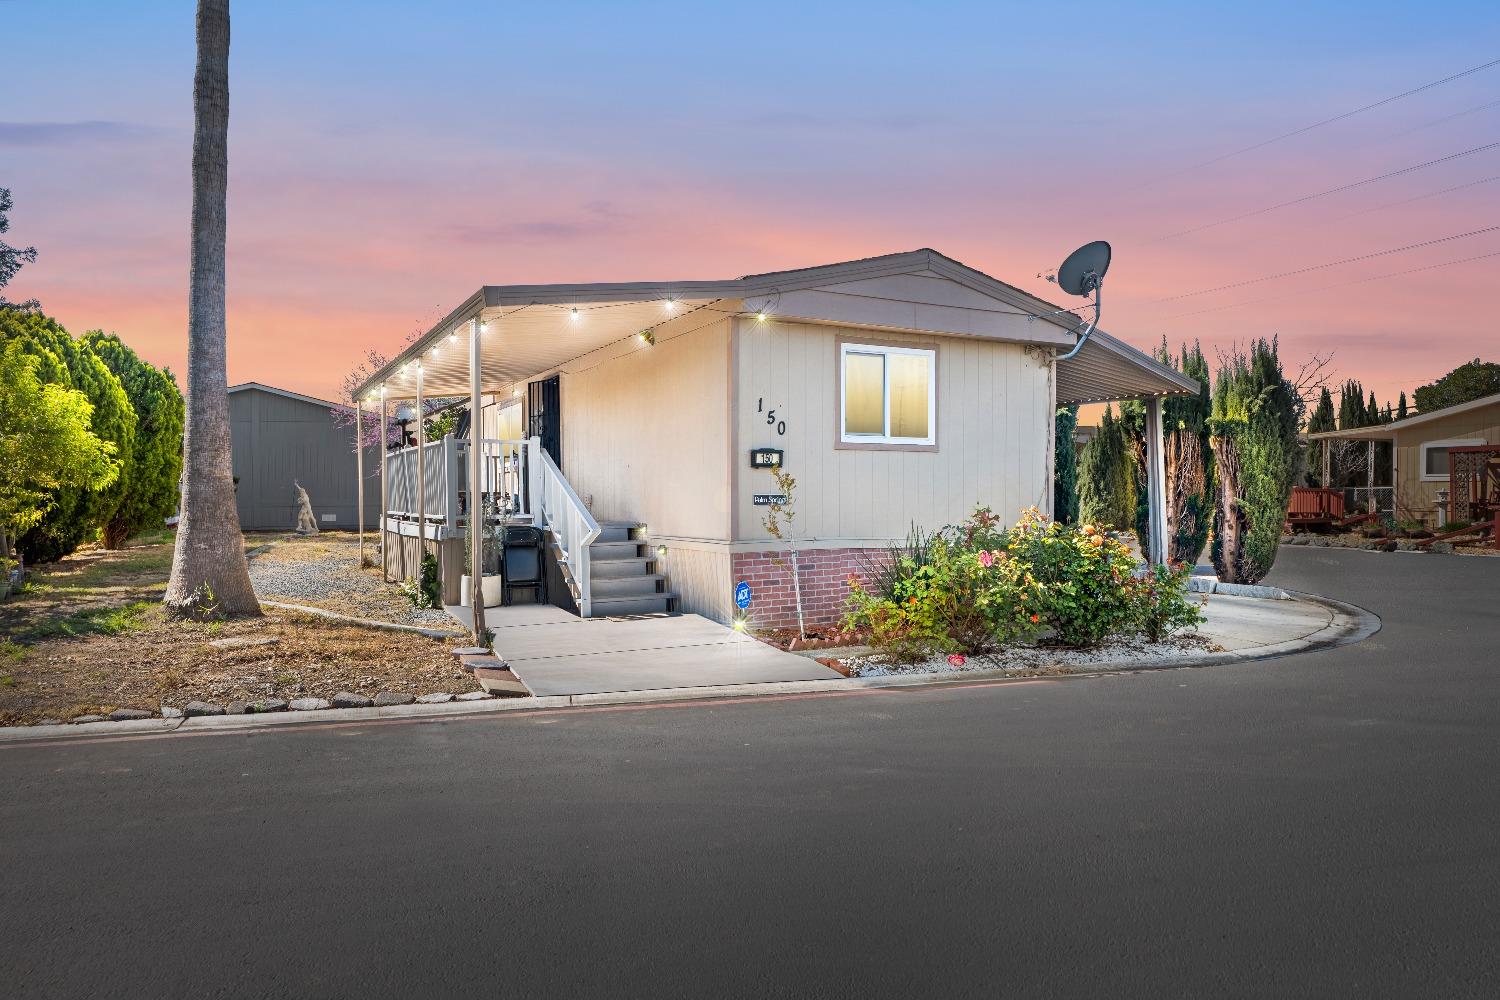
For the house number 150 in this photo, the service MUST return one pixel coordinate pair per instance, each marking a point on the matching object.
(771, 421)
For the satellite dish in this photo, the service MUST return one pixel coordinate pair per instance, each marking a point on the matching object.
(1084, 269)
(1082, 274)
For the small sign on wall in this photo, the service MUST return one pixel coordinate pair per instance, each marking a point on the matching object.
(770, 499)
(765, 458)
(742, 595)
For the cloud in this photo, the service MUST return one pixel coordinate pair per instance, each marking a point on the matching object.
(51, 134)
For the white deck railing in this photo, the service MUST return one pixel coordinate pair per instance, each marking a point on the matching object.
(503, 477)
(565, 514)
(445, 490)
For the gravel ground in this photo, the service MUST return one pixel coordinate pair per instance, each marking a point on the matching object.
(323, 571)
(1040, 659)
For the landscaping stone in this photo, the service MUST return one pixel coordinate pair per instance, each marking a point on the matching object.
(241, 641)
(86, 718)
(197, 708)
(1390, 546)
(126, 714)
(436, 698)
(49, 722)
(1445, 547)
(168, 712)
(239, 708)
(308, 704)
(474, 696)
(463, 651)
(392, 698)
(348, 699)
(268, 705)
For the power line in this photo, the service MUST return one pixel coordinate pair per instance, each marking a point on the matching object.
(1342, 284)
(1332, 263)
(1337, 118)
(1333, 190)
(1446, 118)
(1420, 197)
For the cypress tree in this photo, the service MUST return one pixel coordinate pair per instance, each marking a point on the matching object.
(1065, 467)
(1106, 477)
(1322, 419)
(1401, 406)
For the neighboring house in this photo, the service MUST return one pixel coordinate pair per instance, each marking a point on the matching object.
(1422, 461)
(632, 421)
(279, 437)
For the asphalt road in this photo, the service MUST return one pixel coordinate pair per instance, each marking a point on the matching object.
(1321, 825)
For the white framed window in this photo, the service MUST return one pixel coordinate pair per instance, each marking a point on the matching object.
(1435, 456)
(887, 395)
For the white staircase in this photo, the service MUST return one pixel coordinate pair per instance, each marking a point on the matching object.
(622, 573)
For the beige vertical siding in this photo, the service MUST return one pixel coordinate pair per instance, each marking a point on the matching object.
(644, 431)
(1415, 497)
(700, 575)
(993, 429)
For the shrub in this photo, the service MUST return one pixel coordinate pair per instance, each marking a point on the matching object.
(424, 590)
(1160, 604)
(1107, 476)
(1080, 576)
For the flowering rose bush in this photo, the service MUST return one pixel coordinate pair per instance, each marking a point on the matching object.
(977, 587)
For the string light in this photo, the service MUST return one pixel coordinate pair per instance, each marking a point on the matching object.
(453, 337)
(760, 317)
(671, 305)
(575, 312)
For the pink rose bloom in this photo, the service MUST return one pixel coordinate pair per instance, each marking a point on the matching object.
(985, 559)
(956, 660)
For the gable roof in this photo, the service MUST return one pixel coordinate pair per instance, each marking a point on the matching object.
(1382, 431)
(243, 386)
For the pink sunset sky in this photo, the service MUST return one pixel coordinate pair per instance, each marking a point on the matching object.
(385, 166)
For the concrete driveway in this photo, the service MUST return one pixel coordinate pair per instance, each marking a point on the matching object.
(555, 653)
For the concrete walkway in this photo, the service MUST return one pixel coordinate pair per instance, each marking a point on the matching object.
(1244, 624)
(555, 653)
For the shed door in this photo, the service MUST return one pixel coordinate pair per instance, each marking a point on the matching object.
(544, 415)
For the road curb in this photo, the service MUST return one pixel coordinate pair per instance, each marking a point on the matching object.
(1349, 624)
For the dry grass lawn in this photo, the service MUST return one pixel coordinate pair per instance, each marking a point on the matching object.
(89, 636)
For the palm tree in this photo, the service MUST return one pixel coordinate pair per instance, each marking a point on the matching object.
(209, 574)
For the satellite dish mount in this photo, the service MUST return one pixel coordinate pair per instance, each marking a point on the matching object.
(1083, 274)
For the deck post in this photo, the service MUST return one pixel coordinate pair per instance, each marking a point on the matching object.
(359, 474)
(421, 475)
(1156, 482)
(1327, 465)
(476, 486)
(385, 496)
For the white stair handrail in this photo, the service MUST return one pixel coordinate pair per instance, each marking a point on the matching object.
(564, 513)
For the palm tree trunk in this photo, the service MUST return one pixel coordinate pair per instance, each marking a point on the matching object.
(209, 574)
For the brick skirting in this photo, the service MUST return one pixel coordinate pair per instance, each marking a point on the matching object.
(825, 583)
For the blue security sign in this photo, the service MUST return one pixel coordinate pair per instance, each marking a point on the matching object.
(742, 595)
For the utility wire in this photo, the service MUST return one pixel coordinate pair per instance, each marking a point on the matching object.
(1336, 118)
(1332, 263)
(1323, 194)
(1420, 197)
(1342, 284)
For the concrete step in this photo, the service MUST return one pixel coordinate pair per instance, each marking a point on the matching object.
(614, 550)
(645, 604)
(615, 531)
(615, 569)
(625, 586)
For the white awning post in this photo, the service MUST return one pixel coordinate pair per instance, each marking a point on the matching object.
(359, 475)
(421, 476)
(385, 495)
(476, 485)
(1370, 476)
(1156, 482)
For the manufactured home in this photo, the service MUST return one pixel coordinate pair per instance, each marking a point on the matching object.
(641, 424)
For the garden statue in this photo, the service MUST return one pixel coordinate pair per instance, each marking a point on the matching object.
(306, 523)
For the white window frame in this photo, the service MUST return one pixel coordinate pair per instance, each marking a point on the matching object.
(1444, 444)
(887, 350)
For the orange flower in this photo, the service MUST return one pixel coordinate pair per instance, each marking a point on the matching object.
(1035, 619)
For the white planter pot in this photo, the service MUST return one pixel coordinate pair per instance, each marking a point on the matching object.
(489, 585)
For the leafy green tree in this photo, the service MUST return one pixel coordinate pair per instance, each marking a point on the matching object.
(1464, 384)
(151, 476)
(75, 514)
(12, 259)
(46, 447)
(1254, 423)
(1065, 467)
(1107, 477)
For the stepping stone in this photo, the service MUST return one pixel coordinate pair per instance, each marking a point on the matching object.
(241, 641)
(195, 709)
(307, 704)
(471, 663)
(126, 714)
(464, 651)
(436, 698)
(348, 699)
(500, 682)
(385, 698)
